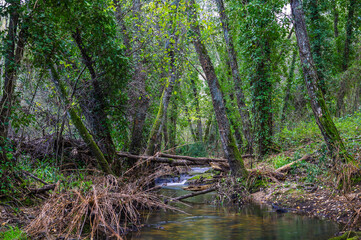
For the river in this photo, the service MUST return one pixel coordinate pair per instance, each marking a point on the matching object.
(206, 221)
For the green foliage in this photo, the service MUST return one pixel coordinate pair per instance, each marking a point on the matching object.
(13, 233)
(194, 150)
(280, 160)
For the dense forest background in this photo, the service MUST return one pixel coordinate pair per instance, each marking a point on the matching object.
(90, 83)
(126, 75)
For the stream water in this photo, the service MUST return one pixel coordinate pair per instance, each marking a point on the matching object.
(205, 221)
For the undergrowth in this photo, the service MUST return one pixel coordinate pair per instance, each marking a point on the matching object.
(13, 233)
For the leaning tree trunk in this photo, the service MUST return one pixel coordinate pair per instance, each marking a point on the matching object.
(346, 57)
(318, 105)
(97, 117)
(79, 125)
(243, 110)
(228, 142)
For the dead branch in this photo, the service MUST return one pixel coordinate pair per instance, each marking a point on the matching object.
(287, 167)
(35, 177)
(43, 189)
(193, 194)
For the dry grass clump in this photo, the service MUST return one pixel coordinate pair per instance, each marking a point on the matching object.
(105, 209)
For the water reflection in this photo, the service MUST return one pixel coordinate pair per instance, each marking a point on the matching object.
(205, 221)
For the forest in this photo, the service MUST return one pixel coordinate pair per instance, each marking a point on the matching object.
(100, 100)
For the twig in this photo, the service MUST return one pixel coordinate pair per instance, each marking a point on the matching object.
(35, 177)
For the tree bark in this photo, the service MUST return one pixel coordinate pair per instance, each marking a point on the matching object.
(228, 142)
(318, 105)
(243, 110)
(83, 131)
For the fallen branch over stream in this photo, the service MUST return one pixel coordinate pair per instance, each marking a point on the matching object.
(192, 194)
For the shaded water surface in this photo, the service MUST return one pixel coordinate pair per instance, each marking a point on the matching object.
(206, 221)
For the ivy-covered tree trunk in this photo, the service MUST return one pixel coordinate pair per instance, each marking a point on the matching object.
(262, 88)
(228, 142)
(288, 87)
(318, 105)
(79, 125)
(317, 40)
(97, 116)
(13, 52)
(346, 56)
(243, 110)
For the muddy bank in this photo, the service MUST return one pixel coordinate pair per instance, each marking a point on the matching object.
(316, 201)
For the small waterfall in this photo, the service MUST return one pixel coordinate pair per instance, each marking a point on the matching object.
(181, 180)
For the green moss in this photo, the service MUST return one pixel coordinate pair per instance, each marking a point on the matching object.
(202, 176)
(350, 235)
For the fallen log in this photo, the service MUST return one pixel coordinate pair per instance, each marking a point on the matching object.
(197, 188)
(220, 166)
(43, 189)
(199, 158)
(287, 167)
(175, 160)
(169, 161)
(192, 194)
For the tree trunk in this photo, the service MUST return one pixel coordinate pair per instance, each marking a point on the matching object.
(198, 111)
(228, 142)
(173, 116)
(346, 57)
(319, 108)
(140, 98)
(208, 128)
(288, 87)
(13, 51)
(356, 101)
(167, 92)
(335, 18)
(97, 117)
(262, 101)
(83, 131)
(317, 41)
(243, 110)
